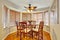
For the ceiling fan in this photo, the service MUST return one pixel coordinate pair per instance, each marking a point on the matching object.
(30, 7)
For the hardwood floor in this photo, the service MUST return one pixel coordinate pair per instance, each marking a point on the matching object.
(46, 36)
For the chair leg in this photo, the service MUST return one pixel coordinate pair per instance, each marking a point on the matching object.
(20, 36)
(17, 33)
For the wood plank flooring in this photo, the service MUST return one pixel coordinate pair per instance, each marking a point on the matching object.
(46, 36)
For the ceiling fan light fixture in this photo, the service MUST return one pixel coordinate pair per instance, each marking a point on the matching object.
(31, 7)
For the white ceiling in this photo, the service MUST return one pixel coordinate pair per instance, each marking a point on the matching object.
(38, 3)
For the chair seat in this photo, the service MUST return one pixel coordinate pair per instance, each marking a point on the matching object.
(26, 30)
(35, 29)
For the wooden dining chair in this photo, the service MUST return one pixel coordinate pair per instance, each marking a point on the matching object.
(40, 35)
(20, 28)
(38, 32)
(17, 26)
(23, 26)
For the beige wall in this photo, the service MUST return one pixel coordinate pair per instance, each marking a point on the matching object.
(3, 31)
(56, 27)
(0, 14)
(0, 19)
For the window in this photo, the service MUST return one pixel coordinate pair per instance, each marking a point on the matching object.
(14, 16)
